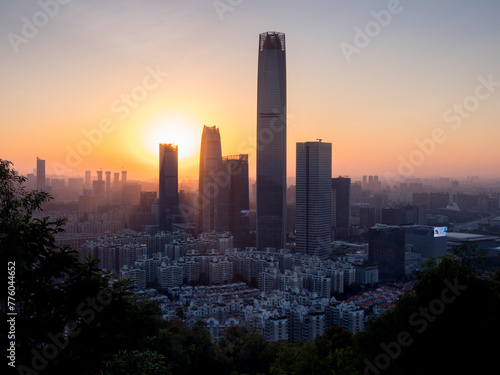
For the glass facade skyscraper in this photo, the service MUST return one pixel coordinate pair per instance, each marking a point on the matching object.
(271, 141)
(208, 183)
(169, 180)
(314, 199)
(341, 191)
(234, 209)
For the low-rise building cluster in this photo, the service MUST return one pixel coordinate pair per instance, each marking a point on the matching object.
(283, 295)
(381, 299)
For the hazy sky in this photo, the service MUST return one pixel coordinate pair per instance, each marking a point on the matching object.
(408, 87)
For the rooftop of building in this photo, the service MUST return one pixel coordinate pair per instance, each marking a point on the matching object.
(470, 237)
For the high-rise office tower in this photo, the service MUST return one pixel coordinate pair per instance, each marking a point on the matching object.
(386, 248)
(124, 177)
(233, 213)
(88, 180)
(116, 191)
(314, 199)
(341, 199)
(169, 181)
(116, 180)
(367, 216)
(108, 184)
(271, 141)
(98, 186)
(209, 180)
(40, 174)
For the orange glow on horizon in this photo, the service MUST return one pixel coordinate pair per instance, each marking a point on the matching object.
(177, 131)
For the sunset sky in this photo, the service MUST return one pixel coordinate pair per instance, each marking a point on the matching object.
(90, 84)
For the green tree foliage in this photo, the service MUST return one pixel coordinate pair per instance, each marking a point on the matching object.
(331, 353)
(185, 350)
(136, 362)
(70, 315)
(298, 359)
(243, 350)
(335, 351)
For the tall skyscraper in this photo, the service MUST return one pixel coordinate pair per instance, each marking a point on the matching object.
(209, 182)
(40, 174)
(169, 182)
(271, 141)
(314, 199)
(234, 214)
(341, 196)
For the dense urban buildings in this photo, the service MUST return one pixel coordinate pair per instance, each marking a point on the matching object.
(271, 141)
(294, 299)
(314, 198)
(210, 181)
(169, 181)
(285, 294)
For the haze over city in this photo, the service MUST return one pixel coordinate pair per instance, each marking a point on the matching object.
(397, 87)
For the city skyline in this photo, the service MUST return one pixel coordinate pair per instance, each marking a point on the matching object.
(395, 86)
(287, 208)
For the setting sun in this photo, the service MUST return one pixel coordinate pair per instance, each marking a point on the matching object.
(178, 132)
